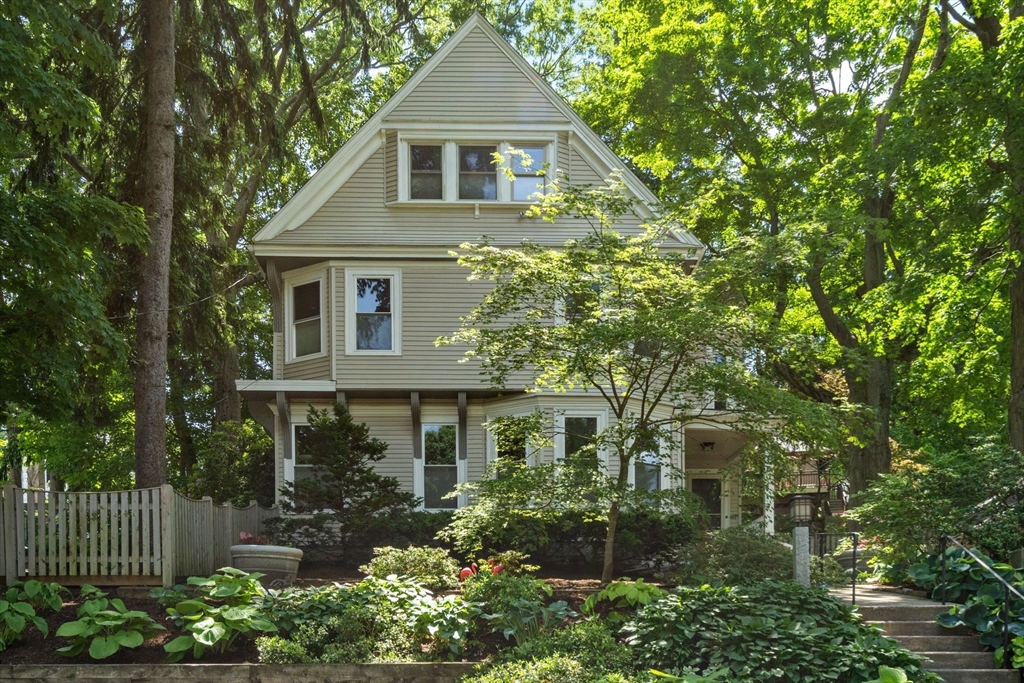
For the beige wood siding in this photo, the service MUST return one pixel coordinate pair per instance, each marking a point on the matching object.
(391, 166)
(391, 422)
(477, 83)
(434, 295)
(582, 172)
(357, 214)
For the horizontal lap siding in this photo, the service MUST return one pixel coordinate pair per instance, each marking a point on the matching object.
(358, 214)
(391, 422)
(434, 295)
(391, 167)
(476, 83)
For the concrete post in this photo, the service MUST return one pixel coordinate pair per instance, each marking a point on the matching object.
(802, 556)
(769, 496)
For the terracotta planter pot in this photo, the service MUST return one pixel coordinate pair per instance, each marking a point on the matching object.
(280, 564)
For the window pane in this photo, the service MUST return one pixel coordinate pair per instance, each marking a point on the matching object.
(307, 337)
(437, 481)
(373, 331)
(535, 164)
(425, 157)
(514, 449)
(373, 295)
(303, 444)
(648, 476)
(474, 186)
(306, 301)
(476, 159)
(525, 186)
(579, 436)
(425, 186)
(439, 444)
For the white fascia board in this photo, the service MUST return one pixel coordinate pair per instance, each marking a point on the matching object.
(340, 167)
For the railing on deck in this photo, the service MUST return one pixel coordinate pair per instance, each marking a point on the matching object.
(144, 536)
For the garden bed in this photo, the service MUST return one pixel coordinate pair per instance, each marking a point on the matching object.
(240, 673)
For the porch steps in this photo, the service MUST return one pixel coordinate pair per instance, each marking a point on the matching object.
(955, 654)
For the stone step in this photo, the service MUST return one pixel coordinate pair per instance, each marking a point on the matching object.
(941, 643)
(978, 675)
(920, 628)
(906, 612)
(959, 660)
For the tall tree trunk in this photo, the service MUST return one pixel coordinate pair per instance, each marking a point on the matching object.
(227, 402)
(1013, 139)
(154, 272)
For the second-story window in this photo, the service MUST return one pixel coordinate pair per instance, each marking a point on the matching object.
(372, 320)
(307, 337)
(426, 172)
(478, 176)
(526, 169)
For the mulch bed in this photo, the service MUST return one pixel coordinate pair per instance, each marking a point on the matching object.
(34, 649)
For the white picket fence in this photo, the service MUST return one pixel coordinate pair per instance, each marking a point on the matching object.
(144, 536)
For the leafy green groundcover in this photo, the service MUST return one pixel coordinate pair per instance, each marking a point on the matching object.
(772, 631)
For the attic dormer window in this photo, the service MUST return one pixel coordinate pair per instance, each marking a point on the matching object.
(478, 175)
(434, 170)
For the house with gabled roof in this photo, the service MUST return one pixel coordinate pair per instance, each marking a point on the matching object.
(363, 282)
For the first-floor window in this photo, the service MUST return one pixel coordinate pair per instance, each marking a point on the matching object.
(710, 491)
(440, 466)
(647, 468)
(302, 453)
(580, 439)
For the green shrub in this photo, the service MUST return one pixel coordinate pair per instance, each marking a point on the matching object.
(497, 591)
(772, 631)
(553, 669)
(587, 642)
(514, 604)
(732, 557)
(826, 571)
(434, 568)
(369, 633)
(105, 626)
(973, 495)
(625, 595)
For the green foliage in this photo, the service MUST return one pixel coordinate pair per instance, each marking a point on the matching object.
(733, 556)
(432, 567)
(234, 464)
(360, 633)
(553, 668)
(826, 571)
(770, 631)
(972, 495)
(226, 606)
(14, 617)
(342, 482)
(887, 674)
(168, 597)
(587, 642)
(37, 594)
(623, 594)
(105, 626)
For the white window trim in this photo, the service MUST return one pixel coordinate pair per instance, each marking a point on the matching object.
(291, 282)
(492, 448)
(726, 491)
(602, 424)
(461, 464)
(450, 165)
(351, 274)
(664, 457)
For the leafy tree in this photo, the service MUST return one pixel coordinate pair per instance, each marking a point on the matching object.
(619, 317)
(343, 489)
(235, 464)
(835, 156)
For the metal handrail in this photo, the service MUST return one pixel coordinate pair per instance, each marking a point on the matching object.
(853, 571)
(1007, 589)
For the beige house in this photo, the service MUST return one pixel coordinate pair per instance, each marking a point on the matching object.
(363, 283)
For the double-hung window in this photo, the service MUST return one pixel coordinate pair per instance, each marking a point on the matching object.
(305, 318)
(440, 466)
(373, 312)
(466, 170)
(647, 466)
(576, 435)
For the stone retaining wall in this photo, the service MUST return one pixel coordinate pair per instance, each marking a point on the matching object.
(238, 673)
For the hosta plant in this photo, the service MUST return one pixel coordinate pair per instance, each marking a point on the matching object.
(14, 617)
(213, 628)
(623, 594)
(105, 626)
(38, 594)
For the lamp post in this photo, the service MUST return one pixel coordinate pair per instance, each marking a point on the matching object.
(801, 509)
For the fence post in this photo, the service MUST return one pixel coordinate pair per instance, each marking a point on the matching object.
(167, 533)
(10, 548)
